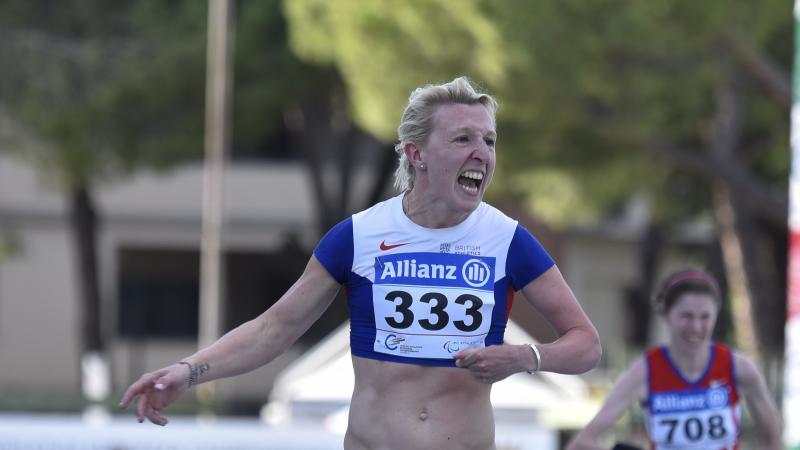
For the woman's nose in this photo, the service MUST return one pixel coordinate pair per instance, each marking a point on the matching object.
(482, 152)
(698, 325)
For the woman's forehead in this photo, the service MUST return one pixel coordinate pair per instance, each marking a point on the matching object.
(695, 300)
(455, 116)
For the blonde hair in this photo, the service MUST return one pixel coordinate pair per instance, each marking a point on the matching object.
(417, 121)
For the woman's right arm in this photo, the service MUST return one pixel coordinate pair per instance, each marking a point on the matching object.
(630, 386)
(245, 348)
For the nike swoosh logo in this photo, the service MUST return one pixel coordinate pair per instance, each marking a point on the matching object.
(385, 247)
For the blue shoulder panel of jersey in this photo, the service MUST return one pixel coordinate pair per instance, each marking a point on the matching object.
(527, 259)
(335, 250)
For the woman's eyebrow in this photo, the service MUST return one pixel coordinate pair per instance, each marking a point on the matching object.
(471, 130)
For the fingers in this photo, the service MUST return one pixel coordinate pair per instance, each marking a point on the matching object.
(478, 363)
(139, 387)
(158, 380)
(126, 398)
(141, 406)
(466, 358)
(154, 415)
(469, 359)
(145, 408)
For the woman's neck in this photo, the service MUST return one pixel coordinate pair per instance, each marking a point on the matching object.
(691, 362)
(429, 213)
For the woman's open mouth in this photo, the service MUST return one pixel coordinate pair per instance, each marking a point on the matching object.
(471, 181)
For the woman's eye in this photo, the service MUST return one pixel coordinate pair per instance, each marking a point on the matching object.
(489, 142)
(462, 139)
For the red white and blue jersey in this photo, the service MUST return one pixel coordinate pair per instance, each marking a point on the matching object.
(419, 295)
(700, 415)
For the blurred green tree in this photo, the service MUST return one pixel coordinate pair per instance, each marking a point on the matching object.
(101, 89)
(91, 96)
(687, 102)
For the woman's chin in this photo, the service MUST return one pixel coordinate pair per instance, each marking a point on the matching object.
(694, 342)
(469, 200)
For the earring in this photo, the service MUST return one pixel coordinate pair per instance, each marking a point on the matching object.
(422, 166)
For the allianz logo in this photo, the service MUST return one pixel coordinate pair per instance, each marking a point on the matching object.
(474, 272)
(712, 398)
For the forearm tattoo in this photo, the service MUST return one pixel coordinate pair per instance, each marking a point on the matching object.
(195, 372)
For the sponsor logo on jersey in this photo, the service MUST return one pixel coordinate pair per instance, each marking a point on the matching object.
(476, 272)
(440, 269)
(718, 397)
(457, 346)
(712, 398)
(392, 341)
(384, 246)
(408, 268)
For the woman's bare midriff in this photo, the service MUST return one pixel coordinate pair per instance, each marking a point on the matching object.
(405, 406)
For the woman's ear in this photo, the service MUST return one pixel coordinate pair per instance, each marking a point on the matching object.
(414, 155)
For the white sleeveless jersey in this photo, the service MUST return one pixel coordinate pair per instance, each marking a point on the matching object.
(419, 295)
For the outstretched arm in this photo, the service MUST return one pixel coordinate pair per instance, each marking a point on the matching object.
(629, 387)
(759, 402)
(245, 348)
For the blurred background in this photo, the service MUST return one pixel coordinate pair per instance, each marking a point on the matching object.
(167, 167)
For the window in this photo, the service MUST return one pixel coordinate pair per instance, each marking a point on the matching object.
(158, 292)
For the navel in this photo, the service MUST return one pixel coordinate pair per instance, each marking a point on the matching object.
(423, 416)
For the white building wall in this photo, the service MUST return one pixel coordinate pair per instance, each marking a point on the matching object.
(39, 308)
(598, 270)
(39, 314)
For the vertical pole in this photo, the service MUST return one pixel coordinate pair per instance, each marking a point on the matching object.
(791, 388)
(216, 140)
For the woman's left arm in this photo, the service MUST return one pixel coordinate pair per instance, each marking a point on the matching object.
(759, 402)
(577, 348)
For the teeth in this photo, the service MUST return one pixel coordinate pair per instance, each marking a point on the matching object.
(472, 189)
(475, 175)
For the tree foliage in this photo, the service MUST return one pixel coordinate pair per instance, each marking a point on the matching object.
(586, 89)
(684, 102)
(101, 89)
(95, 86)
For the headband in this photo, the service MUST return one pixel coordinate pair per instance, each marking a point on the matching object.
(690, 275)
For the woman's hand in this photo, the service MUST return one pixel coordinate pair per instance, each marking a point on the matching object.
(495, 362)
(155, 391)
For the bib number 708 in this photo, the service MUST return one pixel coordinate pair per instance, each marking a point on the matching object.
(694, 428)
(438, 304)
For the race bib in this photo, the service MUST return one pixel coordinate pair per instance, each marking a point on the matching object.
(694, 420)
(432, 305)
